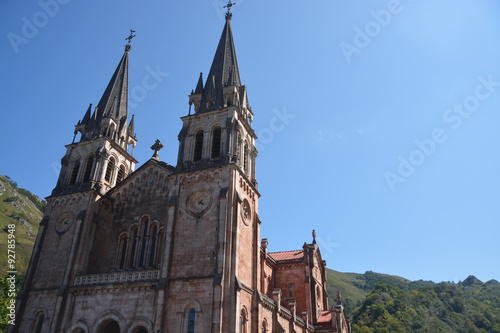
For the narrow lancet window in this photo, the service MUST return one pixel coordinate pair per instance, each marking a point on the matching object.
(74, 173)
(121, 175)
(144, 241)
(198, 146)
(88, 169)
(109, 170)
(216, 136)
(245, 158)
(134, 247)
(124, 251)
(191, 319)
(152, 255)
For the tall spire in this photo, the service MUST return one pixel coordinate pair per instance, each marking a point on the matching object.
(113, 102)
(110, 116)
(224, 71)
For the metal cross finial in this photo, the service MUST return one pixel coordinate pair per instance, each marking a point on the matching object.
(156, 147)
(228, 6)
(129, 38)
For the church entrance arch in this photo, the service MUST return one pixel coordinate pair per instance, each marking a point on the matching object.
(140, 330)
(109, 326)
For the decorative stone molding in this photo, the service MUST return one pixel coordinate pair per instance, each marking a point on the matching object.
(121, 277)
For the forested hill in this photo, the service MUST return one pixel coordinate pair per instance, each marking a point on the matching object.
(23, 209)
(385, 303)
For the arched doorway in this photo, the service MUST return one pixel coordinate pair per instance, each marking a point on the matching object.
(109, 326)
(140, 330)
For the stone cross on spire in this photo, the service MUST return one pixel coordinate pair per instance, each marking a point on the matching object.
(156, 147)
(228, 6)
(129, 38)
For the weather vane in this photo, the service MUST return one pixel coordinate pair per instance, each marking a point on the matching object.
(129, 38)
(228, 6)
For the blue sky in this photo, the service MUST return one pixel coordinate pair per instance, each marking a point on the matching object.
(378, 121)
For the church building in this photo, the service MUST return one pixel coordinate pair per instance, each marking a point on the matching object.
(169, 248)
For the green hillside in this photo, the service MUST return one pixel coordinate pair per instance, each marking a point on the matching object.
(354, 287)
(381, 303)
(24, 210)
(469, 306)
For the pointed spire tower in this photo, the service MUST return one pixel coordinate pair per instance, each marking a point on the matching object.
(100, 159)
(221, 108)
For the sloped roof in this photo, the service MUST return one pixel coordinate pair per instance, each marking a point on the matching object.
(287, 255)
(325, 317)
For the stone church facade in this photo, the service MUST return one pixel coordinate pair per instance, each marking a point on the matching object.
(169, 248)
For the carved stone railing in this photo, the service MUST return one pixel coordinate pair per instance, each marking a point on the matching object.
(119, 277)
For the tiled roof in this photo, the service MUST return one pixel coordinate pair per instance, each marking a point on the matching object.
(287, 255)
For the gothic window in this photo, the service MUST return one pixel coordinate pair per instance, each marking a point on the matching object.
(245, 158)
(216, 138)
(243, 321)
(198, 146)
(39, 323)
(191, 320)
(159, 247)
(154, 241)
(74, 173)
(145, 224)
(238, 144)
(88, 168)
(134, 234)
(264, 326)
(109, 170)
(290, 290)
(121, 175)
(123, 248)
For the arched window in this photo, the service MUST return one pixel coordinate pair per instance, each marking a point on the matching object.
(134, 247)
(216, 139)
(74, 172)
(109, 170)
(88, 168)
(39, 323)
(191, 320)
(152, 254)
(245, 158)
(121, 174)
(123, 248)
(198, 146)
(264, 326)
(145, 224)
(243, 321)
(290, 290)
(238, 144)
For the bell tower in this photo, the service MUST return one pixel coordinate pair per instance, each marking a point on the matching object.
(103, 156)
(218, 128)
(92, 166)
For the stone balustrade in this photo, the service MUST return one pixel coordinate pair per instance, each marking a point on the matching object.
(119, 277)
